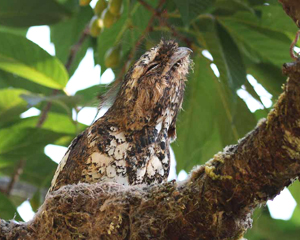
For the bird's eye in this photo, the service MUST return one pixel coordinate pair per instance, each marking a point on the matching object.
(152, 67)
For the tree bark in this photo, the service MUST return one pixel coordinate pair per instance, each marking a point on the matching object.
(216, 202)
(291, 7)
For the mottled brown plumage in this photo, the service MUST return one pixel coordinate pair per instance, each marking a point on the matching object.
(130, 143)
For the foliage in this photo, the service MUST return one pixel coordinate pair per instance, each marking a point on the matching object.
(243, 37)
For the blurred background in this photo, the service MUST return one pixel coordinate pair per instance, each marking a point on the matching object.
(57, 58)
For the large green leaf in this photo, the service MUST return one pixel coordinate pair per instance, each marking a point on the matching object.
(8, 80)
(24, 141)
(257, 41)
(19, 13)
(38, 170)
(36, 200)
(67, 33)
(229, 7)
(55, 122)
(270, 76)
(212, 118)
(264, 227)
(225, 52)
(64, 101)
(17, 142)
(7, 210)
(88, 96)
(294, 189)
(198, 137)
(24, 58)
(189, 9)
(270, 16)
(11, 104)
(261, 2)
(18, 31)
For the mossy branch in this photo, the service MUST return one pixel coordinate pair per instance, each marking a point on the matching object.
(216, 202)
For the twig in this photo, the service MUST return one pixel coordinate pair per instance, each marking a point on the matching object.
(76, 47)
(15, 176)
(292, 52)
(73, 51)
(156, 12)
(147, 6)
(45, 110)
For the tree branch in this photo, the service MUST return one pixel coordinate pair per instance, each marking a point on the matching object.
(291, 7)
(216, 202)
(15, 176)
(163, 21)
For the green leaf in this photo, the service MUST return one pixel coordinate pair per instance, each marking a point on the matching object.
(264, 227)
(59, 123)
(18, 31)
(17, 142)
(262, 42)
(39, 170)
(197, 132)
(294, 189)
(270, 76)
(7, 210)
(8, 80)
(18, 13)
(65, 101)
(225, 52)
(250, 89)
(260, 113)
(190, 9)
(61, 103)
(232, 60)
(269, 19)
(212, 118)
(11, 104)
(67, 33)
(229, 7)
(24, 58)
(88, 96)
(36, 200)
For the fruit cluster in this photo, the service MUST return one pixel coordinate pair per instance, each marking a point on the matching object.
(106, 14)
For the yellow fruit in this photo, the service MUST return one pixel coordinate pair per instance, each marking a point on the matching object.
(99, 8)
(112, 57)
(108, 18)
(115, 7)
(84, 2)
(96, 25)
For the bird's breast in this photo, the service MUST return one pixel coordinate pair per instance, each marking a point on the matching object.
(128, 158)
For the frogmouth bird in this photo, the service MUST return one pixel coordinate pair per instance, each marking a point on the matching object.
(129, 144)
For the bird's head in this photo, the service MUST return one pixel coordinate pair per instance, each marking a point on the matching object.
(153, 86)
(164, 59)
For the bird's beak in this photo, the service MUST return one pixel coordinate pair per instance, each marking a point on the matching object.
(180, 53)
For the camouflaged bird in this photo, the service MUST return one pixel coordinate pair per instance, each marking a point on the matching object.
(129, 145)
